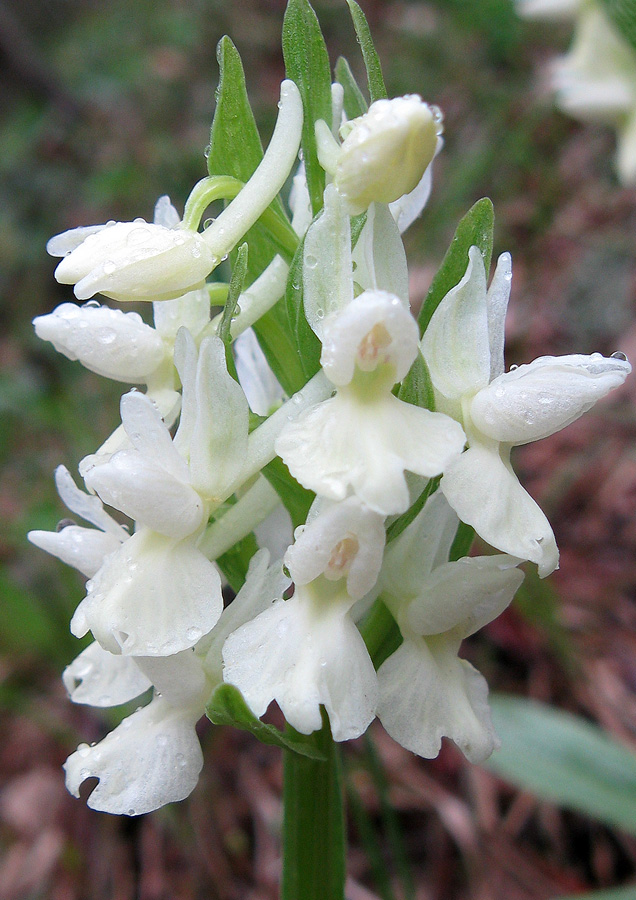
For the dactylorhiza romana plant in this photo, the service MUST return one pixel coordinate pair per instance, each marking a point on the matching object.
(312, 444)
(595, 80)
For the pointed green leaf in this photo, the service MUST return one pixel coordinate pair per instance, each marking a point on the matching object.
(623, 15)
(475, 229)
(417, 387)
(377, 88)
(307, 64)
(308, 346)
(278, 343)
(354, 103)
(565, 759)
(462, 542)
(227, 707)
(295, 498)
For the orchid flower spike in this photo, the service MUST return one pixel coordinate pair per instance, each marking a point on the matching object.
(463, 348)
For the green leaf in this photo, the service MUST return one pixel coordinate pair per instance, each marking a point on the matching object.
(621, 893)
(354, 103)
(227, 707)
(307, 64)
(377, 88)
(236, 149)
(295, 498)
(462, 542)
(623, 14)
(235, 562)
(314, 842)
(417, 387)
(278, 343)
(475, 229)
(308, 346)
(380, 633)
(237, 283)
(235, 144)
(566, 760)
(402, 522)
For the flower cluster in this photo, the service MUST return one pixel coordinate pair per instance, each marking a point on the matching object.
(596, 80)
(388, 481)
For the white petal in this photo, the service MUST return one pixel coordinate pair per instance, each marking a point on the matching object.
(147, 493)
(421, 547)
(427, 693)
(409, 207)
(464, 595)
(496, 306)
(346, 539)
(107, 341)
(275, 533)
(85, 505)
(299, 201)
(152, 758)
(83, 548)
(180, 678)
(137, 261)
(263, 585)
(485, 493)
(375, 329)
(218, 445)
(149, 435)
(303, 658)
(379, 256)
(456, 345)
(153, 597)
(165, 213)
(548, 9)
(626, 151)
(535, 400)
(255, 376)
(100, 678)
(192, 311)
(64, 243)
(344, 444)
(327, 284)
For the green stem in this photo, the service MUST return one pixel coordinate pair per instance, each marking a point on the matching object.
(314, 842)
(225, 187)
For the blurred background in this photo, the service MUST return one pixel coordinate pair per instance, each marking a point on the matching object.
(106, 106)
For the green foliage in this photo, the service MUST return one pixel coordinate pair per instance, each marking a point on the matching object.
(377, 88)
(237, 282)
(295, 498)
(354, 103)
(623, 15)
(307, 63)
(235, 562)
(278, 343)
(308, 346)
(565, 759)
(475, 229)
(227, 707)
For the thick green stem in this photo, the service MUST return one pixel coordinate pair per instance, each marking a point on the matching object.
(314, 841)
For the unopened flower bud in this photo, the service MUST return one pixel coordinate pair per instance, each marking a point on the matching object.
(110, 342)
(386, 152)
(132, 261)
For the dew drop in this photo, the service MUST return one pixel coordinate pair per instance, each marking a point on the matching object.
(618, 354)
(512, 368)
(207, 151)
(109, 267)
(91, 304)
(311, 261)
(207, 223)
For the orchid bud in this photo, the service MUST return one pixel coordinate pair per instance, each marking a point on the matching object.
(386, 151)
(132, 261)
(107, 341)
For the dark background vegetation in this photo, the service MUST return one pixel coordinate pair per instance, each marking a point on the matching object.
(105, 106)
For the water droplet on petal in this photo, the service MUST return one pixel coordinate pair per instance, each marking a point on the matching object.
(618, 354)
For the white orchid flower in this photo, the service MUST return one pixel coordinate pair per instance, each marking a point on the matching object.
(305, 653)
(148, 261)
(363, 439)
(167, 487)
(426, 691)
(154, 757)
(463, 349)
(83, 548)
(339, 540)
